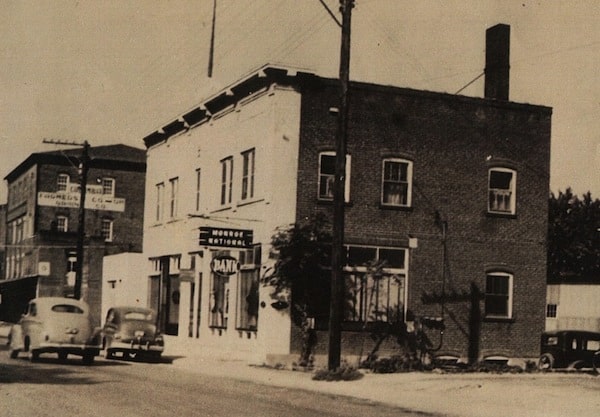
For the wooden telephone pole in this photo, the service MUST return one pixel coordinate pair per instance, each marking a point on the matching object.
(336, 312)
(83, 174)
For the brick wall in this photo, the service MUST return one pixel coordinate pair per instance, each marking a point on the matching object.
(452, 142)
(127, 226)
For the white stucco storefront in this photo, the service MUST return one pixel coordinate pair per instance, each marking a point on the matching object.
(231, 170)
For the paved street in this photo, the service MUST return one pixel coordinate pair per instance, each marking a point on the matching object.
(119, 388)
(194, 383)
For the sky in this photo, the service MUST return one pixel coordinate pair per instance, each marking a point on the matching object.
(113, 71)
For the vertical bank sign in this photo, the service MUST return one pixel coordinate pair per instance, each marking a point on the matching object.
(230, 238)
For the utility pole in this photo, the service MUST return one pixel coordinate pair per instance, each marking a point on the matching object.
(336, 311)
(83, 174)
(211, 52)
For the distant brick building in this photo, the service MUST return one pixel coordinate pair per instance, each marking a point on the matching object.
(450, 191)
(42, 222)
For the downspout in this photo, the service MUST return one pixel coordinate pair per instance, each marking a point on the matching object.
(444, 227)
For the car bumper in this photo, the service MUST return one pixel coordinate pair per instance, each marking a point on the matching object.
(74, 348)
(135, 346)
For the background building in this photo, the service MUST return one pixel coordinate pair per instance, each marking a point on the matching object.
(42, 222)
(451, 192)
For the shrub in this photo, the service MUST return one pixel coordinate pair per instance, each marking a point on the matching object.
(398, 363)
(344, 373)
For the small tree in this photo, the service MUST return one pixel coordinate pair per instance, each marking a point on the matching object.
(303, 253)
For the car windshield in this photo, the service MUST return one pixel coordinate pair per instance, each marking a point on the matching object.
(67, 308)
(137, 315)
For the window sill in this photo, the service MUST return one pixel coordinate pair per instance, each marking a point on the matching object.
(247, 202)
(501, 215)
(223, 208)
(330, 202)
(395, 208)
(492, 319)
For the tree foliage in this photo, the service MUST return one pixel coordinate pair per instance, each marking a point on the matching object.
(303, 253)
(303, 258)
(573, 237)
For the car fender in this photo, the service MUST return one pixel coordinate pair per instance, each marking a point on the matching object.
(15, 338)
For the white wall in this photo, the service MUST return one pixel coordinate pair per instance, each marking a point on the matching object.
(269, 123)
(578, 307)
(123, 281)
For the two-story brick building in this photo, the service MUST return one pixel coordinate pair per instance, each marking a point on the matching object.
(42, 217)
(450, 191)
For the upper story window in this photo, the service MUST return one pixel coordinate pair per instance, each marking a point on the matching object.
(226, 180)
(108, 186)
(198, 183)
(160, 195)
(62, 183)
(173, 195)
(327, 176)
(396, 187)
(62, 223)
(502, 190)
(248, 174)
(107, 230)
(498, 295)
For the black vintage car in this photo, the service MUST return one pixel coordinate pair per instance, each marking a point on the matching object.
(132, 333)
(571, 349)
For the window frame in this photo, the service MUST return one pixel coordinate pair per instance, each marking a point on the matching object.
(110, 188)
(357, 275)
(248, 285)
(198, 185)
(248, 171)
(329, 178)
(226, 181)
(512, 189)
(409, 182)
(60, 188)
(160, 195)
(108, 236)
(65, 220)
(173, 197)
(490, 297)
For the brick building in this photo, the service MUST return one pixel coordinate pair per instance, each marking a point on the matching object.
(42, 219)
(450, 191)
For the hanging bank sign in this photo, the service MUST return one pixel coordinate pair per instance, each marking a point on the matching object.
(230, 238)
(225, 265)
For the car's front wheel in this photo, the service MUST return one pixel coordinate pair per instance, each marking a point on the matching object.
(546, 362)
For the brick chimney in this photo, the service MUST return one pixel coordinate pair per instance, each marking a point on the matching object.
(497, 62)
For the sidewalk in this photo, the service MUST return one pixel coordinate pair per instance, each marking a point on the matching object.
(448, 394)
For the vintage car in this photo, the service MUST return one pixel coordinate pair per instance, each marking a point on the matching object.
(131, 332)
(55, 325)
(571, 349)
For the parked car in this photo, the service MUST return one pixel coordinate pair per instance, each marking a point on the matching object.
(573, 349)
(131, 332)
(55, 325)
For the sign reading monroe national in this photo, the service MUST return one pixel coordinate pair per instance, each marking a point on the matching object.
(232, 238)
